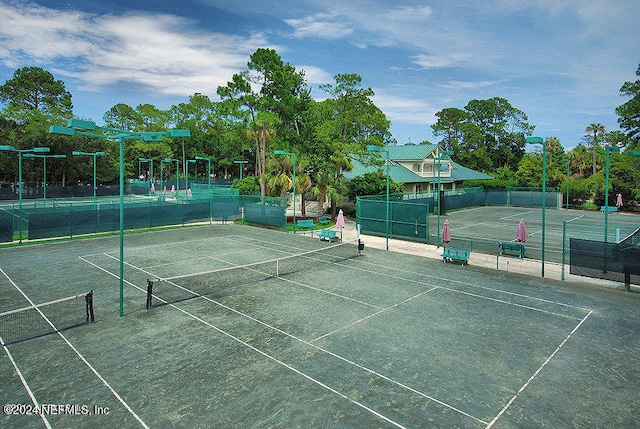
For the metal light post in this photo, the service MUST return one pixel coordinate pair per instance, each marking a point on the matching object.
(282, 152)
(540, 140)
(568, 161)
(372, 148)
(241, 163)
(20, 152)
(161, 169)
(44, 182)
(144, 160)
(607, 150)
(81, 127)
(208, 169)
(94, 155)
(186, 175)
(438, 159)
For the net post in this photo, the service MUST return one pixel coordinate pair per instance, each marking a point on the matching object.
(149, 294)
(89, 303)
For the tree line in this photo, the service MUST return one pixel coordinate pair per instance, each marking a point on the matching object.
(268, 106)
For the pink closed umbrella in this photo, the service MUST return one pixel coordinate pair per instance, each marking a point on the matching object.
(153, 188)
(446, 232)
(522, 235)
(173, 189)
(619, 201)
(340, 224)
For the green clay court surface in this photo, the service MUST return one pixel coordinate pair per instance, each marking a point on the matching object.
(480, 228)
(381, 340)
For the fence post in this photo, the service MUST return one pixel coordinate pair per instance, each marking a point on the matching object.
(564, 234)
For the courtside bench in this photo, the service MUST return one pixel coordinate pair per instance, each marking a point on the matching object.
(454, 254)
(509, 245)
(324, 220)
(327, 235)
(609, 209)
(306, 224)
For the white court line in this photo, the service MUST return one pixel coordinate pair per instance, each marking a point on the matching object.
(575, 218)
(25, 384)
(370, 371)
(486, 297)
(448, 280)
(82, 358)
(535, 374)
(372, 315)
(295, 370)
(516, 215)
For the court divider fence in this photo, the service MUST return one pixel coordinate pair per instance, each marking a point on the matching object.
(610, 254)
(64, 218)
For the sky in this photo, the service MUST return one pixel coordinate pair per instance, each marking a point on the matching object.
(562, 62)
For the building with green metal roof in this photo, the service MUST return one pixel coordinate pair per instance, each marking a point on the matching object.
(416, 167)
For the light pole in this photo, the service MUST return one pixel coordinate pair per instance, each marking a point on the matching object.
(241, 162)
(373, 148)
(20, 152)
(282, 152)
(568, 161)
(81, 127)
(540, 140)
(150, 161)
(438, 159)
(167, 160)
(208, 169)
(186, 174)
(607, 150)
(44, 159)
(94, 155)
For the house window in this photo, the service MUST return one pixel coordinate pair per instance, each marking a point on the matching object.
(417, 167)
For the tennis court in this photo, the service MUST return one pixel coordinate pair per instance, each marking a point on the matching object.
(324, 339)
(480, 228)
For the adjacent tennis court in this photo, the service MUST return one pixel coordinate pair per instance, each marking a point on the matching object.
(480, 228)
(249, 327)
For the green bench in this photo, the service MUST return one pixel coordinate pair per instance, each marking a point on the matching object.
(608, 208)
(306, 224)
(454, 254)
(324, 220)
(509, 245)
(327, 235)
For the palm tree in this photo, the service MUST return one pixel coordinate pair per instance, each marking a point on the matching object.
(595, 129)
(553, 146)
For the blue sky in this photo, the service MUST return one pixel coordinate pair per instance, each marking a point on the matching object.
(562, 62)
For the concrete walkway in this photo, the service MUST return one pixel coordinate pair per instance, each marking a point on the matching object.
(530, 267)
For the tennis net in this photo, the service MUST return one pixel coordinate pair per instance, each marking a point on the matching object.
(43, 319)
(170, 290)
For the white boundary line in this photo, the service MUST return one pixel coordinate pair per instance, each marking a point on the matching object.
(80, 356)
(295, 370)
(25, 384)
(516, 215)
(535, 374)
(365, 368)
(370, 371)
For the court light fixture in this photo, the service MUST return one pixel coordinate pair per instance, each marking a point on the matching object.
(90, 129)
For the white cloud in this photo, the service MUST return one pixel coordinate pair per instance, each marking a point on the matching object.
(404, 109)
(455, 84)
(409, 13)
(162, 52)
(319, 25)
(316, 75)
